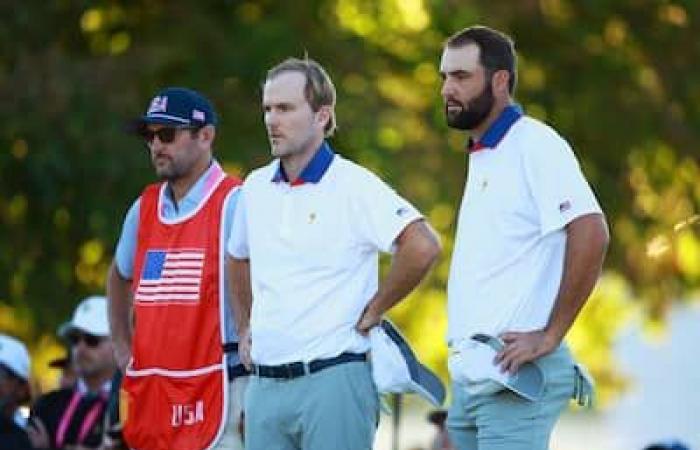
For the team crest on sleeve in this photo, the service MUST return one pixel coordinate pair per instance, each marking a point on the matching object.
(171, 276)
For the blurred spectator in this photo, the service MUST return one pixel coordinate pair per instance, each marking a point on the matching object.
(14, 391)
(113, 438)
(441, 441)
(74, 416)
(67, 377)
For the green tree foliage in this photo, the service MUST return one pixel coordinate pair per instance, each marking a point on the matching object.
(616, 78)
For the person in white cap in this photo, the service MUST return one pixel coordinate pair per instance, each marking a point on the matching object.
(74, 416)
(14, 391)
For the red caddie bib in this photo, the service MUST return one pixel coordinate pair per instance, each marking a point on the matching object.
(175, 387)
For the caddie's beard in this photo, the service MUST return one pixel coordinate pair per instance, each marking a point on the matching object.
(475, 112)
(171, 170)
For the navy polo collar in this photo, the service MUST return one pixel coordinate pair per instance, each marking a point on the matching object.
(497, 130)
(314, 170)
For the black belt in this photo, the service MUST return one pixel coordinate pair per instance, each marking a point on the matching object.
(230, 347)
(298, 369)
(236, 371)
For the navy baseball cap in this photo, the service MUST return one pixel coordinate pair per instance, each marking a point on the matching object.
(177, 106)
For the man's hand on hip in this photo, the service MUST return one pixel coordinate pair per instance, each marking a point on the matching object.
(368, 320)
(523, 347)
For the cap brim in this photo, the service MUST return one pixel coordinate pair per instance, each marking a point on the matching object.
(69, 327)
(136, 126)
(527, 382)
(429, 385)
(424, 382)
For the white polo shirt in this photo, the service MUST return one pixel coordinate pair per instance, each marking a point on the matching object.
(524, 186)
(313, 249)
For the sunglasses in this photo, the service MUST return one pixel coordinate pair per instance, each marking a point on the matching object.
(165, 135)
(89, 339)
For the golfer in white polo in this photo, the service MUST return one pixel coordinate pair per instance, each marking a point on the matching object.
(304, 252)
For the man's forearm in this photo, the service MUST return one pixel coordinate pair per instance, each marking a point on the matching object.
(241, 292)
(418, 247)
(586, 244)
(120, 311)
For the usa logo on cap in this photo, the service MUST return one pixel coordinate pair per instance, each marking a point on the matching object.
(158, 104)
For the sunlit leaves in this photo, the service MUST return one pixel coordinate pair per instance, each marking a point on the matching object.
(103, 27)
(688, 254)
(673, 14)
(615, 32)
(16, 209)
(649, 81)
(20, 149)
(393, 25)
(592, 336)
(92, 20)
(665, 194)
(61, 218)
(557, 12)
(532, 76)
(92, 266)
(249, 12)
(403, 92)
(365, 16)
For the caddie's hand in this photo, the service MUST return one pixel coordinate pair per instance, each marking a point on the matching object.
(244, 344)
(368, 320)
(122, 353)
(522, 347)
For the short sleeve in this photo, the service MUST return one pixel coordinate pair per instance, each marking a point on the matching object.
(126, 247)
(237, 245)
(381, 213)
(560, 191)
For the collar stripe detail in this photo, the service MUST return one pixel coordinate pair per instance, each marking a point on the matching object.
(314, 170)
(498, 129)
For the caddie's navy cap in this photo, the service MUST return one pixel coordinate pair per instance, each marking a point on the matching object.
(177, 106)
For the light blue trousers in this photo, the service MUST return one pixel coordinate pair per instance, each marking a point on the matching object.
(504, 420)
(336, 408)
